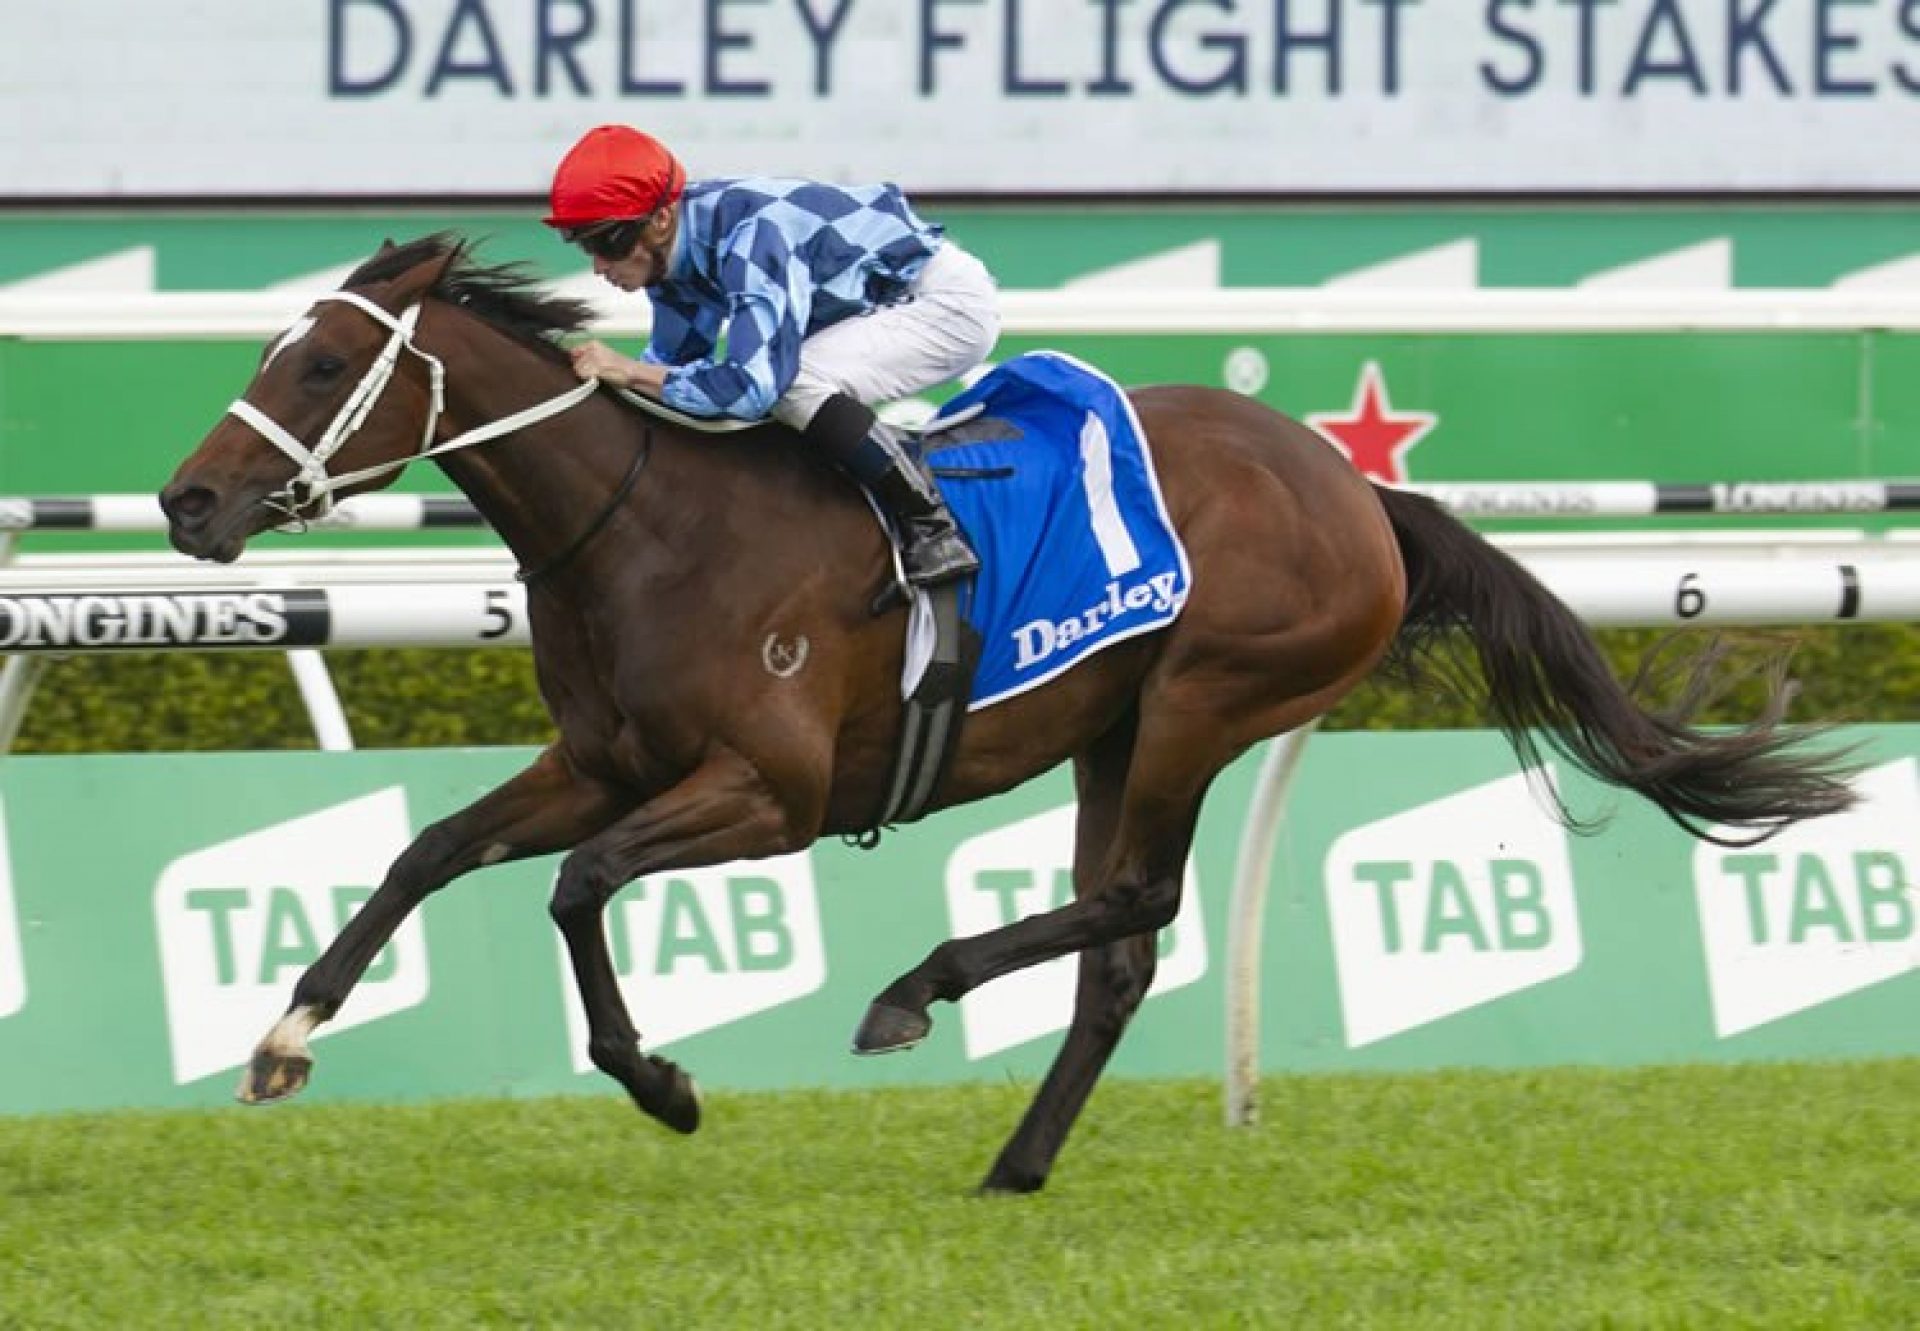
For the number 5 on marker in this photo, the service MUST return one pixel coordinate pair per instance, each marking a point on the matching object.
(498, 610)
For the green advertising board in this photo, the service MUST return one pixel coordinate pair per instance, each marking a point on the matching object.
(156, 910)
(1647, 406)
(1042, 245)
(107, 415)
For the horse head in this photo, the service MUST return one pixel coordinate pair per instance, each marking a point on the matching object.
(341, 401)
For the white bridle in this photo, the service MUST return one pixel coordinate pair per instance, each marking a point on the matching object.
(319, 486)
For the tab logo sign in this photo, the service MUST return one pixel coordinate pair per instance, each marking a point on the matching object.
(1449, 906)
(1020, 870)
(700, 948)
(13, 972)
(239, 921)
(1824, 909)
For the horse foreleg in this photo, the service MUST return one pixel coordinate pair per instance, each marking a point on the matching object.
(545, 808)
(724, 811)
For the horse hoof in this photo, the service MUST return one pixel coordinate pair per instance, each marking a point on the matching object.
(681, 1108)
(886, 1030)
(1010, 1183)
(271, 1077)
(663, 1092)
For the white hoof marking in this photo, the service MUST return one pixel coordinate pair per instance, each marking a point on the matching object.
(288, 1038)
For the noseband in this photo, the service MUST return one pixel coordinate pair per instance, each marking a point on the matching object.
(310, 494)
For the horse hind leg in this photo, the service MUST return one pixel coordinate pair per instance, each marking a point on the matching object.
(1113, 981)
(1140, 788)
(1135, 900)
(1137, 822)
(545, 808)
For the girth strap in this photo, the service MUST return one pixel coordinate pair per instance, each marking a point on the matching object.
(933, 715)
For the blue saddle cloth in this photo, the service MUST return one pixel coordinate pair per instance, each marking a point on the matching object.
(1050, 477)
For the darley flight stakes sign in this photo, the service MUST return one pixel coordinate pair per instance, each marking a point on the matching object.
(467, 97)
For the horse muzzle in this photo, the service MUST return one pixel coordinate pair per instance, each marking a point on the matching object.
(193, 527)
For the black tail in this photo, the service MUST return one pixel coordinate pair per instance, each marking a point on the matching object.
(1545, 676)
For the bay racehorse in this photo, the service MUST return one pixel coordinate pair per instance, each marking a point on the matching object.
(659, 562)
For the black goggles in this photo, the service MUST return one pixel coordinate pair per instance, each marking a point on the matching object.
(611, 241)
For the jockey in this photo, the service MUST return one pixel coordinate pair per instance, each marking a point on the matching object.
(831, 298)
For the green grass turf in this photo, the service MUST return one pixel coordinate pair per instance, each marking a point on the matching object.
(1711, 1197)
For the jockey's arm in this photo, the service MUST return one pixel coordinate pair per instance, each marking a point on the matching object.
(682, 333)
(597, 360)
(769, 301)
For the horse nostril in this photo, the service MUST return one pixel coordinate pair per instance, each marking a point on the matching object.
(187, 505)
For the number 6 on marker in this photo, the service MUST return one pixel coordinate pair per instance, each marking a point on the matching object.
(1689, 602)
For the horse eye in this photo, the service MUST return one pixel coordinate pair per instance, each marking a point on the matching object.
(324, 369)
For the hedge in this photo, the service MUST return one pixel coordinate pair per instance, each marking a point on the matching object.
(161, 702)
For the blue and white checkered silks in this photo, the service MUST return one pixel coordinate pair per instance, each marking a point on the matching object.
(1076, 548)
(769, 263)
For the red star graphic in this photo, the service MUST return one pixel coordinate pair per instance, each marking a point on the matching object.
(1371, 434)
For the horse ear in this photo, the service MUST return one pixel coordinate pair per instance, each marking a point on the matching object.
(414, 284)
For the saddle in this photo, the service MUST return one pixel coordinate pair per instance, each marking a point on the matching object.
(942, 649)
(1047, 470)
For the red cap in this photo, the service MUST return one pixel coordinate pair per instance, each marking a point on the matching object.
(613, 172)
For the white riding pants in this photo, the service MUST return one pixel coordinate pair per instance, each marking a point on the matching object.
(946, 326)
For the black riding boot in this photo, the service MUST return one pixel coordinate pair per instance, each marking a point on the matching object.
(933, 548)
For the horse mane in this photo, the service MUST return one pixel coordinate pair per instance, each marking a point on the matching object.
(508, 296)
